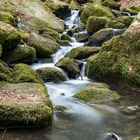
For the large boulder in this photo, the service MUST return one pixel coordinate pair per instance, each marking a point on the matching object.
(21, 54)
(94, 24)
(24, 73)
(95, 10)
(82, 52)
(118, 60)
(50, 74)
(69, 66)
(45, 47)
(24, 104)
(97, 93)
(33, 14)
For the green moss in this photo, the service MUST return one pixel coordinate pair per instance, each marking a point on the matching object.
(5, 72)
(82, 52)
(94, 23)
(118, 60)
(79, 28)
(60, 108)
(95, 10)
(74, 5)
(10, 37)
(115, 24)
(69, 66)
(135, 8)
(111, 4)
(125, 20)
(24, 73)
(25, 113)
(8, 18)
(22, 54)
(44, 47)
(82, 37)
(51, 75)
(63, 43)
(0, 50)
(96, 92)
(137, 138)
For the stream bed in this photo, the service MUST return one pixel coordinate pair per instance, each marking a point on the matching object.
(81, 121)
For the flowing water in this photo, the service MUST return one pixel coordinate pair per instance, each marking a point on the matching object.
(80, 121)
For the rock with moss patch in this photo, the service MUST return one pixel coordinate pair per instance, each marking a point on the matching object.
(82, 36)
(60, 108)
(118, 60)
(22, 54)
(126, 20)
(63, 43)
(115, 24)
(111, 4)
(50, 74)
(95, 10)
(28, 105)
(94, 24)
(82, 52)
(24, 73)
(66, 37)
(10, 37)
(45, 47)
(97, 93)
(70, 66)
(79, 28)
(74, 5)
(5, 72)
(7, 17)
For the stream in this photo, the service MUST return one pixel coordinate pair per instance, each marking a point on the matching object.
(80, 121)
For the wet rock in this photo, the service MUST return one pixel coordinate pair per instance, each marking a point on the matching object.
(44, 47)
(131, 109)
(24, 73)
(79, 28)
(60, 108)
(21, 54)
(69, 66)
(51, 75)
(82, 52)
(25, 105)
(65, 37)
(95, 24)
(97, 93)
(64, 43)
(121, 66)
(70, 32)
(95, 10)
(82, 36)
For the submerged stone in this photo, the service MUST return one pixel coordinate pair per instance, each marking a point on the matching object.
(97, 93)
(24, 105)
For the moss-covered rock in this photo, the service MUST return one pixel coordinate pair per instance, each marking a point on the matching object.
(49, 32)
(102, 36)
(5, 72)
(82, 36)
(63, 43)
(118, 60)
(50, 74)
(115, 24)
(79, 28)
(45, 47)
(111, 4)
(74, 4)
(22, 54)
(97, 93)
(24, 73)
(137, 138)
(95, 10)
(10, 37)
(7, 17)
(94, 23)
(60, 108)
(82, 52)
(28, 105)
(69, 66)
